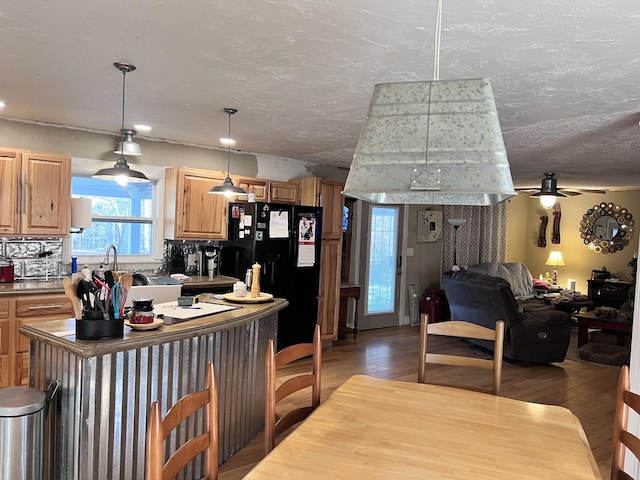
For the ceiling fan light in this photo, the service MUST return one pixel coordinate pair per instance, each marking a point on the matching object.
(548, 201)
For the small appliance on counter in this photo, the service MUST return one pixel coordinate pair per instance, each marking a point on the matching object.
(6, 270)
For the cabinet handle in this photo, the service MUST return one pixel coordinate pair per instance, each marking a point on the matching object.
(42, 307)
(24, 197)
(19, 200)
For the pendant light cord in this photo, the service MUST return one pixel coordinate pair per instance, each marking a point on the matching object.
(124, 76)
(229, 147)
(436, 43)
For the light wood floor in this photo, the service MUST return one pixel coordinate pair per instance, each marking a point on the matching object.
(587, 389)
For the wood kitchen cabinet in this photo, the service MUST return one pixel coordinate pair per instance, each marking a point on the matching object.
(191, 212)
(16, 311)
(260, 187)
(283, 192)
(35, 196)
(328, 195)
(272, 191)
(4, 342)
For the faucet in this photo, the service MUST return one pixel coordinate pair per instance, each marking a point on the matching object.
(115, 257)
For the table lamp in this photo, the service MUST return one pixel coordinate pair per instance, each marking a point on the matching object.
(555, 259)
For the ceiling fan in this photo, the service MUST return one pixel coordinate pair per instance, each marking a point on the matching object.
(549, 190)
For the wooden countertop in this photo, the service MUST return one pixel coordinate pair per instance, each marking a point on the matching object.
(39, 287)
(61, 333)
(32, 287)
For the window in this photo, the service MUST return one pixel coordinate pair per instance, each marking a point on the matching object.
(121, 215)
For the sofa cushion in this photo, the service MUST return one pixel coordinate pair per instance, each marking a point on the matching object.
(517, 274)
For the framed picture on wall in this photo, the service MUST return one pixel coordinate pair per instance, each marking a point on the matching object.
(429, 225)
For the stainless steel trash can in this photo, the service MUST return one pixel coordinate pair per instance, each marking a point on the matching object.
(22, 418)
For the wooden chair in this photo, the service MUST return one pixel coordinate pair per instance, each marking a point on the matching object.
(461, 329)
(622, 438)
(274, 426)
(159, 429)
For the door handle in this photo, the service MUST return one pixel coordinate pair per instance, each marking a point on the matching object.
(24, 197)
(19, 199)
(398, 265)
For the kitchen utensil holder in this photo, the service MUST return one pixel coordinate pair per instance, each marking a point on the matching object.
(98, 329)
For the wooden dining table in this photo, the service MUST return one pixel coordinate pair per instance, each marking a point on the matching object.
(371, 428)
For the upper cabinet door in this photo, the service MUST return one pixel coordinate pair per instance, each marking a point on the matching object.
(46, 193)
(332, 203)
(191, 212)
(10, 185)
(35, 194)
(282, 192)
(258, 186)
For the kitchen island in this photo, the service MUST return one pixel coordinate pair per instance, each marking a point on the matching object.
(98, 421)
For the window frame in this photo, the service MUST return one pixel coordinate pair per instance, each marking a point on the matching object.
(82, 167)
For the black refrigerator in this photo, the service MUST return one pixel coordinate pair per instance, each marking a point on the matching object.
(285, 241)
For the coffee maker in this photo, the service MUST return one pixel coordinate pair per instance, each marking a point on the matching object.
(207, 260)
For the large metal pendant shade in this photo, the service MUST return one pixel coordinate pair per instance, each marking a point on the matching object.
(431, 142)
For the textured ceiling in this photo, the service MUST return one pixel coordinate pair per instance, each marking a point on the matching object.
(301, 72)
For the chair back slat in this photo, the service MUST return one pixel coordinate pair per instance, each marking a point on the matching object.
(461, 329)
(158, 429)
(622, 438)
(273, 426)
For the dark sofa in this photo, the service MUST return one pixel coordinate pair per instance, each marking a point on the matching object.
(534, 331)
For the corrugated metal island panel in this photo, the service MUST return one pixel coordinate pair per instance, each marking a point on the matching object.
(98, 421)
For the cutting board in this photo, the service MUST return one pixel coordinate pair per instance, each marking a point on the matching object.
(174, 314)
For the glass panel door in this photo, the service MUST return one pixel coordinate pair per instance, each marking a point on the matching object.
(382, 267)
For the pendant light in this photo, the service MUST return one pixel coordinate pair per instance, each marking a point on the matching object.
(121, 172)
(431, 142)
(227, 188)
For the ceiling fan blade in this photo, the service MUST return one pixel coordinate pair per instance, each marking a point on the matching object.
(570, 193)
(580, 191)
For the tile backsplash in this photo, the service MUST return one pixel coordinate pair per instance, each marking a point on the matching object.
(33, 258)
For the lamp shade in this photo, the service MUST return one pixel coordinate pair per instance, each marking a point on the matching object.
(127, 146)
(227, 188)
(456, 222)
(120, 172)
(80, 213)
(555, 259)
(431, 142)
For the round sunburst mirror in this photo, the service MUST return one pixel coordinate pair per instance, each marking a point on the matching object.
(607, 228)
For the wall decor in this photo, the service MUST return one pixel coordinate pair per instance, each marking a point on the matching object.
(607, 228)
(542, 234)
(555, 236)
(429, 225)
